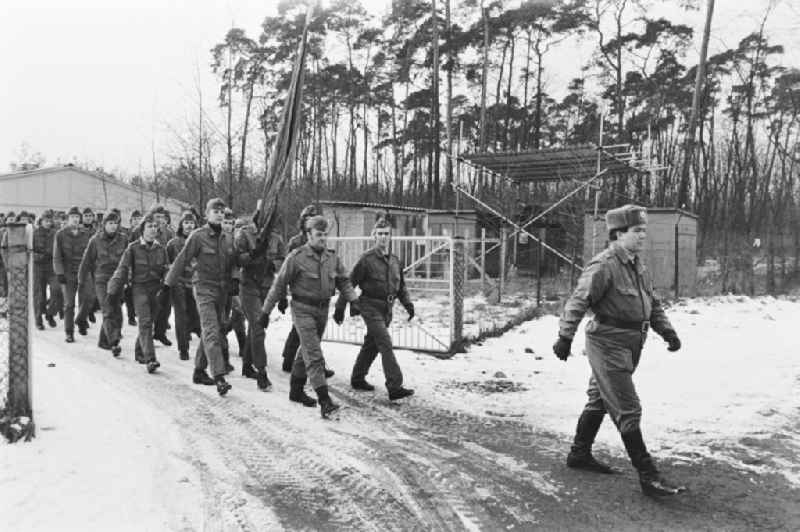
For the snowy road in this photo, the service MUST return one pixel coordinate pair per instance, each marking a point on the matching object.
(122, 450)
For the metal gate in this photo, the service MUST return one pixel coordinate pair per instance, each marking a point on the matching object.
(428, 268)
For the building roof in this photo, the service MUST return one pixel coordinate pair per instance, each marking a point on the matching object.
(653, 210)
(94, 175)
(389, 207)
(553, 164)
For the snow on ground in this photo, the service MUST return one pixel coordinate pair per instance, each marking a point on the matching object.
(737, 376)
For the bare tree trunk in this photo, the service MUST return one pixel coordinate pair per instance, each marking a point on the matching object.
(484, 80)
(248, 105)
(449, 112)
(436, 126)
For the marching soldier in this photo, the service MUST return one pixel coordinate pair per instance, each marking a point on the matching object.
(212, 250)
(293, 340)
(618, 289)
(144, 265)
(260, 261)
(186, 318)
(44, 276)
(163, 236)
(135, 220)
(87, 220)
(234, 315)
(68, 247)
(313, 273)
(379, 274)
(100, 261)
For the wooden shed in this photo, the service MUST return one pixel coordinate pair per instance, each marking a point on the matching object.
(663, 225)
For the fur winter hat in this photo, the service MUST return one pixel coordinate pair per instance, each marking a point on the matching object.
(74, 211)
(215, 204)
(626, 216)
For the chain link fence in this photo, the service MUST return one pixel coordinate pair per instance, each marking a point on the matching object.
(16, 295)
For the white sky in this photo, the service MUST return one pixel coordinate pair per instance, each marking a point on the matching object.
(101, 80)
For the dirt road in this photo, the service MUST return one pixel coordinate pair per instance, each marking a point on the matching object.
(266, 464)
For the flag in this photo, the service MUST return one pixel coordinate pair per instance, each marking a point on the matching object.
(281, 159)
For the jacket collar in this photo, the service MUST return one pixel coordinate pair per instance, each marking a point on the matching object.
(622, 254)
(313, 254)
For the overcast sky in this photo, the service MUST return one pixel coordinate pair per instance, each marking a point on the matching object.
(101, 80)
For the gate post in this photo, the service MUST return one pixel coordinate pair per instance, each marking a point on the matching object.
(501, 286)
(18, 241)
(457, 294)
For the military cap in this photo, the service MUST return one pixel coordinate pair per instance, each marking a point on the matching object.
(317, 222)
(158, 209)
(88, 210)
(381, 223)
(135, 214)
(111, 217)
(188, 216)
(74, 211)
(229, 214)
(625, 216)
(309, 211)
(215, 203)
(48, 213)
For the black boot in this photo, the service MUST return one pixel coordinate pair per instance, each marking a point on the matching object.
(39, 323)
(226, 356)
(222, 384)
(116, 350)
(580, 455)
(400, 393)
(329, 373)
(201, 377)
(70, 338)
(183, 355)
(163, 339)
(153, 365)
(262, 381)
(83, 326)
(249, 371)
(287, 365)
(92, 319)
(650, 479)
(361, 384)
(298, 394)
(51, 321)
(132, 321)
(326, 404)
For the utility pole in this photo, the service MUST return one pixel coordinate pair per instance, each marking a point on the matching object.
(688, 151)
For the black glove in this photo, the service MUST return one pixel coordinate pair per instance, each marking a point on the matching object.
(113, 299)
(263, 320)
(562, 348)
(282, 305)
(62, 279)
(235, 287)
(355, 310)
(261, 247)
(338, 315)
(163, 292)
(671, 337)
(410, 310)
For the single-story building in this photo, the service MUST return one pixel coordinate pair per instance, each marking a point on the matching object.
(61, 187)
(659, 256)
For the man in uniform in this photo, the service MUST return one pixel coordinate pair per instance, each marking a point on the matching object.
(136, 218)
(212, 250)
(68, 247)
(144, 263)
(234, 315)
(163, 236)
(88, 220)
(260, 261)
(100, 260)
(618, 289)
(186, 318)
(293, 340)
(44, 276)
(313, 273)
(380, 275)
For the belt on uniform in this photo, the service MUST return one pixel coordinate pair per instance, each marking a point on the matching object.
(311, 302)
(385, 299)
(641, 326)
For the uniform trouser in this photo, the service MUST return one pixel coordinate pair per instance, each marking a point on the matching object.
(310, 323)
(111, 329)
(613, 356)
(186, 318)
(252, 298)
(236, 322)
(162, 318)
(43, 279)
(129, 308)
(211, 303)
(85, 299)
(146, 304)
(377, 316)
(292, 345)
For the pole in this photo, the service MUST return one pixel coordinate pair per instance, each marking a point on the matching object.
(503, 246)
(683, 190)
(539, 266)
(483, 260)
(677, 255)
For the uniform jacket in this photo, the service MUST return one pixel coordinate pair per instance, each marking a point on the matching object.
(311, 276)
(213, 255)
(259, 271)
(43, 247)
(102, 256)
(174, 248)
(68, 250)
(614, 284)
(379, 277)
(141, 263)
